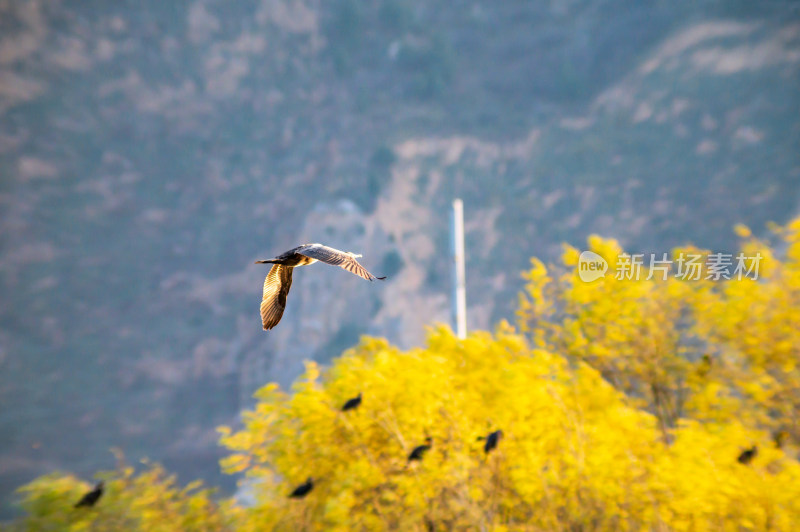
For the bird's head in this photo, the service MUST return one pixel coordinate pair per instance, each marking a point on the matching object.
(99, 485)
(309, 480)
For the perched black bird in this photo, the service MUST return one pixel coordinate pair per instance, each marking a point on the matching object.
(91, 498)
(747, 456)
(303, 489)
(491, 440)
(352, 403)
(420, 450)
(279, 278)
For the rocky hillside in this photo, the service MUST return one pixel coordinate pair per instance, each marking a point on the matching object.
(150, 152)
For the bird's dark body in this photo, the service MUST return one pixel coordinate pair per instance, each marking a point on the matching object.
(491, 441)
(292, 258)
(303, 489)
(91, 498)
(352, 403)
(747, 456)
(419, 451)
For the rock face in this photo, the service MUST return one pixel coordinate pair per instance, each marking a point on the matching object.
(150, 154)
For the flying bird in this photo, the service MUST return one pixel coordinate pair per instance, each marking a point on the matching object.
(352, 403)
(89, 499)
(491, 440)
(303, 489)
(279, 278)
(747, 456)
(420, 450)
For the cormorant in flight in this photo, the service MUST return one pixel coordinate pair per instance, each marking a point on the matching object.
(279, 278)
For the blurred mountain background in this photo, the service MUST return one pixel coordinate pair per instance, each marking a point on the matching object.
(151, 151)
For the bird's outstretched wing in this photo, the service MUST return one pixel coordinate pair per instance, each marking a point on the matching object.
(273, 300)
(337, 258)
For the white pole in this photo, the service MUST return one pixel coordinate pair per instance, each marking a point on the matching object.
(459, 276)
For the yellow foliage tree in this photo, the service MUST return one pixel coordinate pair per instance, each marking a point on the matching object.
(628, 329)
(149, 501)
(575, 454)
(753, 327)
(702, 346)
